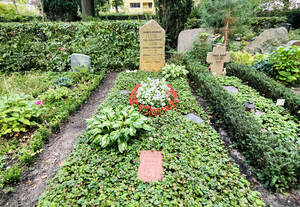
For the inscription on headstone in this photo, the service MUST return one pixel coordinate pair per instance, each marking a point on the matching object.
(80, 60)
(280, 102)
(152, 47)
(218, 57)
(151, 166)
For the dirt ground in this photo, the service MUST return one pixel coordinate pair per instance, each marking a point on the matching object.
(54, 153)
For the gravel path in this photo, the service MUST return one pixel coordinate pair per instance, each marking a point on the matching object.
(54, 153)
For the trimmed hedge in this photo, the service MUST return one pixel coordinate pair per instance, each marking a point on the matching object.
(197, 170)
(21, 18)
(267, 86)
(124, 17)
(276, 161)
(261, 23)
(48, 46)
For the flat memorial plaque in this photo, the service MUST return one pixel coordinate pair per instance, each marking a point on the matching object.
(151, 166)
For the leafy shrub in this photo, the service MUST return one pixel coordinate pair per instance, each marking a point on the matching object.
(171, 71)
(244, 57)
(11, 174)
(199, 52)
(62, 81)
(118, 126)
(276, 160)
(17, 114)
(30, 46)
(266, 86)
(27, 157)
(61, 9)
(262, 23)
(193, 23)
(287, 64)
(55, 95)
(264, 66)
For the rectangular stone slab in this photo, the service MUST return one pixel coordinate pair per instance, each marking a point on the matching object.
(151, 166)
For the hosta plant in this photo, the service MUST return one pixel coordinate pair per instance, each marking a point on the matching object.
(153, 96)
(17, 114)
(116, 127)
(172, 71)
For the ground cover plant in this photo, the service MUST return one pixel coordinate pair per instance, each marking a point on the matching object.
(274, 157)
(266, 86)
(27, 120)
(30, 46)
(197, 169)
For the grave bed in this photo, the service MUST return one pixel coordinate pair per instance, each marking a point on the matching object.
(19, 151)
(197, 170)
(270, 141)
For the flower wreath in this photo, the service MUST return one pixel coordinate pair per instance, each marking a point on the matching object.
(148, 110)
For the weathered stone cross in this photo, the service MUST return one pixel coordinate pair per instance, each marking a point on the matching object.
(218, 57)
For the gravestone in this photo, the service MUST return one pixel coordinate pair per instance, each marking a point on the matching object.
(293, 42)
(218, 57)
(151, 166)
(187, 38)
(194, 118)
(80, 60)
(152, 47)
(231, 89)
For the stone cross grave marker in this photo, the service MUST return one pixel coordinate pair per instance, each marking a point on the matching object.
(152, 47)
(218, 57)
(151, 166)
(80, 60)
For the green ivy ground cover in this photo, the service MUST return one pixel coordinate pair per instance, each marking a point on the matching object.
(30, 46)
(58, 102)
(197, 168)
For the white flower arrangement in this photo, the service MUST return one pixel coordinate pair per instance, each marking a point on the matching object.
(172, 71)
(154, 92)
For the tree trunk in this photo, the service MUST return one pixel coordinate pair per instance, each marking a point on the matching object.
(15, 4)
(116, 7)
(87, 7)
(226, 32)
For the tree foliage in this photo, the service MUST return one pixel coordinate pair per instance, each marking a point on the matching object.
(226, 15)
(66, 10)
(172, 15)
(116, 4)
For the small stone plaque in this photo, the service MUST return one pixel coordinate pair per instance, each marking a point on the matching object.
(217, 58)
(151, 166)
(280, 102)
(194, 118)
(124, 92)
(258, 112)
(152, 47)
(231, 89)
(80, 60)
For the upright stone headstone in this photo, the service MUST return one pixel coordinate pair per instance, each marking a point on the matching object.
(152, 47)
(80, 60)
(187, 38)
(218, 57)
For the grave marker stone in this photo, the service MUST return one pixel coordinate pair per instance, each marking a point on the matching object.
(80, 60)
(218, 57)
(151, 166)
(152, 47)
(280, 102)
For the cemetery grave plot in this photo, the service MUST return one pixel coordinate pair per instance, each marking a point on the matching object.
(54, 96)
(196, 168)
(269, 140)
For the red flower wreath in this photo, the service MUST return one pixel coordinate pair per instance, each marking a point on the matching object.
(148, 110)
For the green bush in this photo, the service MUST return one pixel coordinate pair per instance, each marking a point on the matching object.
(112, 45)
(119, 16)
(17, 114)
(11, 175)
(259, 24)
(116, 126)
(276, 160)
(61, 9)
(62, 81)
(287, 64)
(264, 66)
(266, 86)
(172, 71)
(193, 23)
